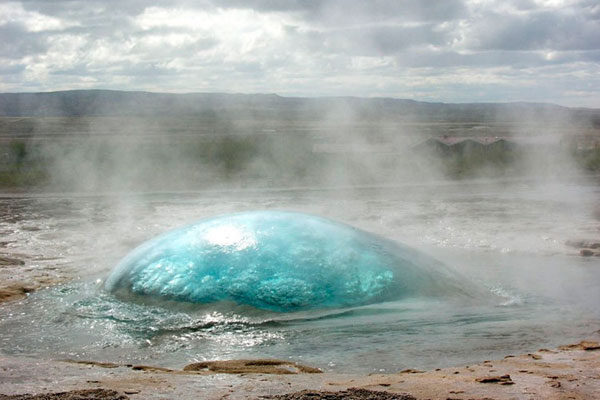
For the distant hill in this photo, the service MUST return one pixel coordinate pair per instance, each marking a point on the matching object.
(78, 103)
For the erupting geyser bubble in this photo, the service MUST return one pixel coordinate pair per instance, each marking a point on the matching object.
(281, 261)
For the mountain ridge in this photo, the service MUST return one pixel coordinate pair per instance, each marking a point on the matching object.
(106, 102)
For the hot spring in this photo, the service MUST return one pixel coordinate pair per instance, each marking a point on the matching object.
(505, 282)
(280, 261)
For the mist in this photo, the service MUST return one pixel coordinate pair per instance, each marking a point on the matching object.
(111, 142)
(350, 159)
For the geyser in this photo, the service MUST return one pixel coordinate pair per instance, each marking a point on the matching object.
(281, 261)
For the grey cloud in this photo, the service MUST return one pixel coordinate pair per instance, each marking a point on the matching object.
(536, 30)
(593, 56)
(404, 10)
(343, 12)
(499, 58)
(16, 42)
(167, 51)
(306, 6)
(252, 68)
(141, 69)
(376, 41)
(392, 39)
(591, 8)
(79, 69)
(117, 29)
(89, 9)
(110, 19)
(522, 5)
(373, 10)
(11, 69)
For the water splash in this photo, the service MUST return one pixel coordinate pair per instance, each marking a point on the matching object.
(280, 261)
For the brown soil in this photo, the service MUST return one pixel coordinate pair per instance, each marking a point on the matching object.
(502, 379)
(114, 365)
(151, 369)
(94, 363)
(260, 366)
(18, 279)
(257, 366)
(587, 248)
(569, 372)
(583, 345)
(15, 292)
(91, 394)
(350, 394)
(5, 260)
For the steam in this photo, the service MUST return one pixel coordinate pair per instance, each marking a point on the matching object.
(501, 225)
(326, 143)
(342, 152)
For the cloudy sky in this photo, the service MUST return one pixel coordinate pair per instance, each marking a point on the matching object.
(447, 50)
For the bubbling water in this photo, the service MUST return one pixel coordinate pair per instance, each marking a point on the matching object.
(279, 261)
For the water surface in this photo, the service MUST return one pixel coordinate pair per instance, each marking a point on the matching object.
(508, 240)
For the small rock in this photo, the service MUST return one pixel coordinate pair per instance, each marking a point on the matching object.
(503, 379)
(411, 371)
(88, 394)
(590, 244)
(349, 394)
(575, 243)
(93, 363)
(15, 291)
(588, 345)
(261, 366)
(4, 261)
(150, 368)
(546, 351)
(583, 345)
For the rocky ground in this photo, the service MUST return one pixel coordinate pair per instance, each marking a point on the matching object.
(569, 372)
(16, 280)
(586, 248)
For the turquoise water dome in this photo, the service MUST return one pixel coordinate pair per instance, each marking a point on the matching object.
(280, 261)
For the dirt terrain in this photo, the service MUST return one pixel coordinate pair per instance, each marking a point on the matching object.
(569, 372)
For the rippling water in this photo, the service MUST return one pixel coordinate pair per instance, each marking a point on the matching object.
(508, 240)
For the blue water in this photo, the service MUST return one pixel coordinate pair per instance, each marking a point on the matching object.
(524, 289)
(82, 321)
(281, 261)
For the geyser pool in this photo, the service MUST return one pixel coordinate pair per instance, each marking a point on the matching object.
(509, 239)
(281, 261)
